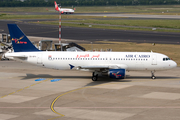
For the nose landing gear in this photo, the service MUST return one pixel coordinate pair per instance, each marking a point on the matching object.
(153, 76)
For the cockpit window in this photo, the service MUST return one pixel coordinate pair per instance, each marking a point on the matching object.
(166, 59)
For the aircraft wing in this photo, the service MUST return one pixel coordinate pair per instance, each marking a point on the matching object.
(94, 67)
(110, 66)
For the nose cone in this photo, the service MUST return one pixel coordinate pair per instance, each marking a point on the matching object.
(173, 64)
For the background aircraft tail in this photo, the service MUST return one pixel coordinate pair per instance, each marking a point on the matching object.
(19, 40)
(56, 6)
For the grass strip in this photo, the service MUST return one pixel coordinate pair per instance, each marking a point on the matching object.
(106, 27)
(145, 9)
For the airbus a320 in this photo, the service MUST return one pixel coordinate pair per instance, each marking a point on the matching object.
(113, 64)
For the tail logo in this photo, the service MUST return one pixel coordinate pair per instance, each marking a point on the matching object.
(17, 41)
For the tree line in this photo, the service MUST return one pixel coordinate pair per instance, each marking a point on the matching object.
(50, 3)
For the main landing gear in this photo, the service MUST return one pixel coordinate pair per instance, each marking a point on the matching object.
(153, 76)
(94, 76)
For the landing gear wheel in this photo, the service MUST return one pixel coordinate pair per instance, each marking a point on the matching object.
(94, 77)
(153, 76)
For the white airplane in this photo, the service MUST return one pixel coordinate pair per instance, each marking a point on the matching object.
(63, 10)
(113, 64)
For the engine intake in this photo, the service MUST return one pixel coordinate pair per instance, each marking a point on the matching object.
(117, 73)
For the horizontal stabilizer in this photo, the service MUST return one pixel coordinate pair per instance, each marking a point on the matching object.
(9, 55)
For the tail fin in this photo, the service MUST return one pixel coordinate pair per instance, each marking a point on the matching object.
(56, 6)
(19, 40)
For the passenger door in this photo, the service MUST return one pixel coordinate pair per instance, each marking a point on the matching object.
(39, 58)
(154, 59)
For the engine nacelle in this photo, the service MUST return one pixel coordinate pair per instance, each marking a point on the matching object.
(117, 73)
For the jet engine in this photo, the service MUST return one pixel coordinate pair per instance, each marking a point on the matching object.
(117, 73)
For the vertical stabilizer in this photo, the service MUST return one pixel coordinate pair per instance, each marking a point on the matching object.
(56, 6)
(19, 40)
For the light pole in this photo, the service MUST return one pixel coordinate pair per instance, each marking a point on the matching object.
(60, 27)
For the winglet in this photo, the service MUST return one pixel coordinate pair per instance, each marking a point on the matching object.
(19, 40)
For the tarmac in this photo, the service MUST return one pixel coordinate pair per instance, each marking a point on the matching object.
(27, 92)
(92, 34)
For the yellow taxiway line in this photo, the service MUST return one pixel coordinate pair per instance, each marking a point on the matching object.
(24, 88)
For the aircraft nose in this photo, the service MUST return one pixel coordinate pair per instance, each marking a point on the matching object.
(174, 64)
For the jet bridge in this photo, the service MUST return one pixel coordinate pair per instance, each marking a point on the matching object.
(45, 45)
(68, 47)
